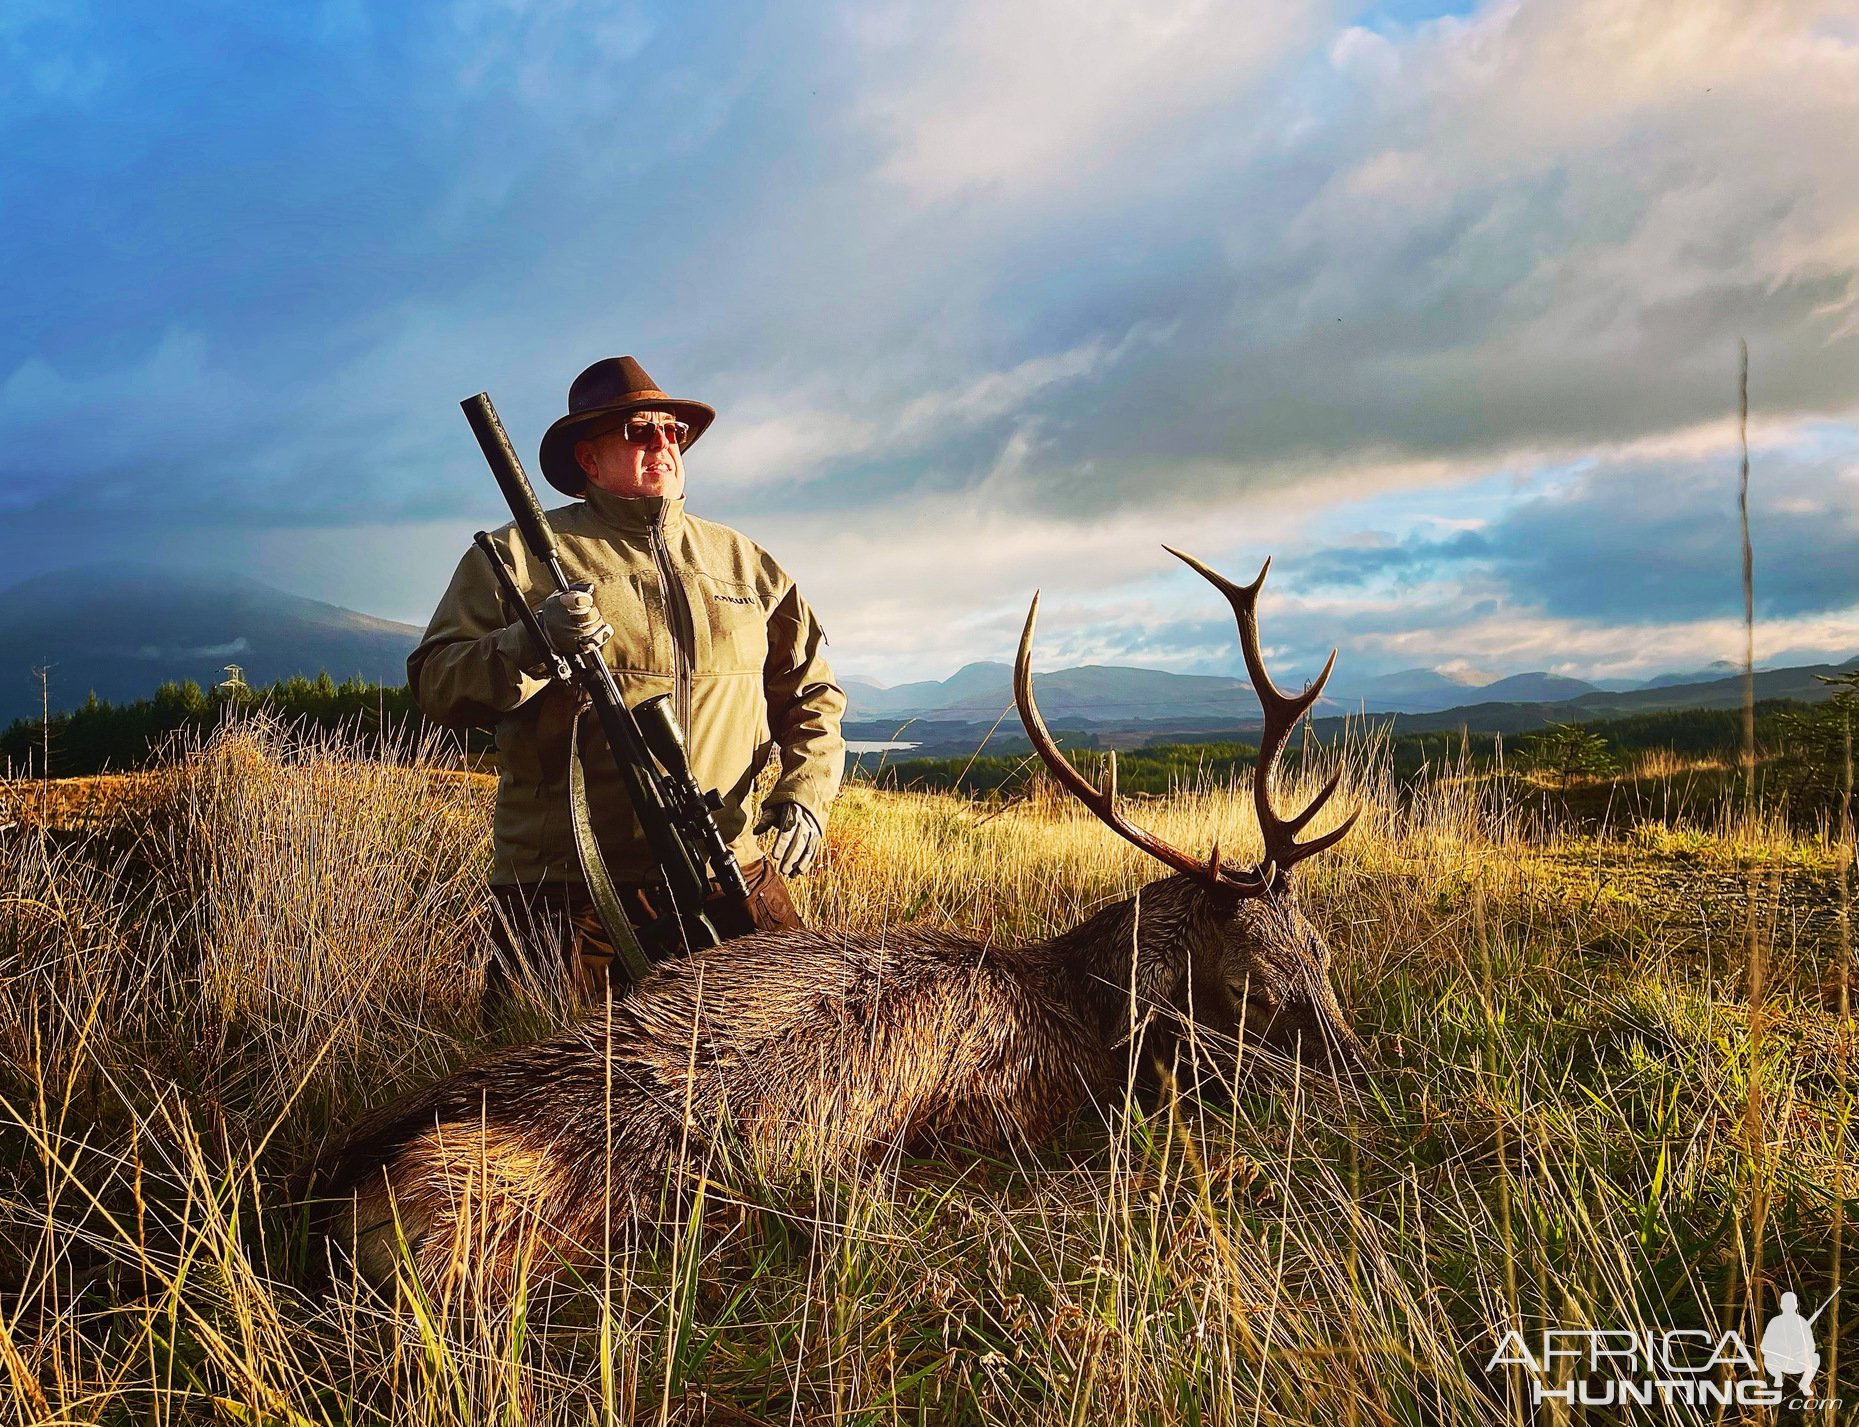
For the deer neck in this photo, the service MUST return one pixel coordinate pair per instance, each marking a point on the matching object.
(1123, 960)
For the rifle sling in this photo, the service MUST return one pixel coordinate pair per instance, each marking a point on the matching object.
(594, 872)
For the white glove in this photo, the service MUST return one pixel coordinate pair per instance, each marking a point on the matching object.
(572, 622)
(799, 840)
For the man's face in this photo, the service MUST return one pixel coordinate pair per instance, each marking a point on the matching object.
(637, 456)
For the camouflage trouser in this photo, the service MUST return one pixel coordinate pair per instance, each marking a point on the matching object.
(549, 932)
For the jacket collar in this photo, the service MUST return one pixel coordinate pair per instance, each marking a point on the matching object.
(636, 515)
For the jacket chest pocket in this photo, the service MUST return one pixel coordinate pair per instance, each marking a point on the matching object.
(634, 604)
(731, 628)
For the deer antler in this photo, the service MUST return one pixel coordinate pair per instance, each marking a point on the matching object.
(1282, 849)
(1102, 801)
(1281, 712)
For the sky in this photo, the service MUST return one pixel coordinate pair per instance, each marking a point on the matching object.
(1436, 304)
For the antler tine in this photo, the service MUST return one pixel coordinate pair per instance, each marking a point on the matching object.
(1074, 781)
(1220, 581)
(1315, 805)
(1298, 851)
(1315, 688)
(1101, 801)
(1281, 712)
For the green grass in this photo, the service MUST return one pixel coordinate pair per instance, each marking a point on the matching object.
(1578, 1120)
(1671, 764)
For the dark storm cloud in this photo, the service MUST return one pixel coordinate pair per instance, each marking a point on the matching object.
(1408, 561)
(1644, 543)
(1656, 543)
(262, 262)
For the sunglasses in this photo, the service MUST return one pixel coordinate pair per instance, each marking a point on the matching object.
(643, 430)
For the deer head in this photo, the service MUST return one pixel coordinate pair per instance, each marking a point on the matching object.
(1225, 942)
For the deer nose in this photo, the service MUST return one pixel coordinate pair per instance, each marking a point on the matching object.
(1348, 1057)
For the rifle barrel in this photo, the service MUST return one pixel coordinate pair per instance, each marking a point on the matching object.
(515, 596)
(518, 494)
(1823, 1307)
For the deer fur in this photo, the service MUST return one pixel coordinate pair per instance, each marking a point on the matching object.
(815, 1049)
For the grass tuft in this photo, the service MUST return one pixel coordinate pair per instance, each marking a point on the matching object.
(206, 969)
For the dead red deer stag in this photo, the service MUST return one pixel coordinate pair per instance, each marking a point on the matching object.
(833, 1048)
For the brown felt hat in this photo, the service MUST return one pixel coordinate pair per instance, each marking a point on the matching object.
(613, 386)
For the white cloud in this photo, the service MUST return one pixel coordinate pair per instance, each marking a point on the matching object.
(800, 435)
(1002, 393)
(1675, 146)
(922, 587)
(1016, 95)
(1588, 651)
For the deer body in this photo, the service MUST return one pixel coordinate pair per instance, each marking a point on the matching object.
(830, 1050)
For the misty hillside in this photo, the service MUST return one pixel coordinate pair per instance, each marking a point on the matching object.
(121, 631)
(1101, 694)
(1404, 689)
(1420, 690)
(1519, 716)
(1720, 669)
(979, 693)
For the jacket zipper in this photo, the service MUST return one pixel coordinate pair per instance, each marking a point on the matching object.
(683, 635)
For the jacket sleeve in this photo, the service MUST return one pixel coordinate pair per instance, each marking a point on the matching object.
(805, 706)
(474, 666)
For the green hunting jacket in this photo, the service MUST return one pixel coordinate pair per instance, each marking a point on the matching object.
(698, 611)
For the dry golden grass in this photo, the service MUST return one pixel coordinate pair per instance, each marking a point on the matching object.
(1665, 763)
(203, 972)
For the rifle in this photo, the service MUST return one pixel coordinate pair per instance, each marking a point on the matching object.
(675, 813)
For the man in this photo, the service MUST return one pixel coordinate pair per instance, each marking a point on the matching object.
(677, 605)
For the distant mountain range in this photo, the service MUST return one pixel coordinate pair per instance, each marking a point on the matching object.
(1802, 683)
(1414, 690)
(978, 693)
(121, 630)
(1104, 695)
